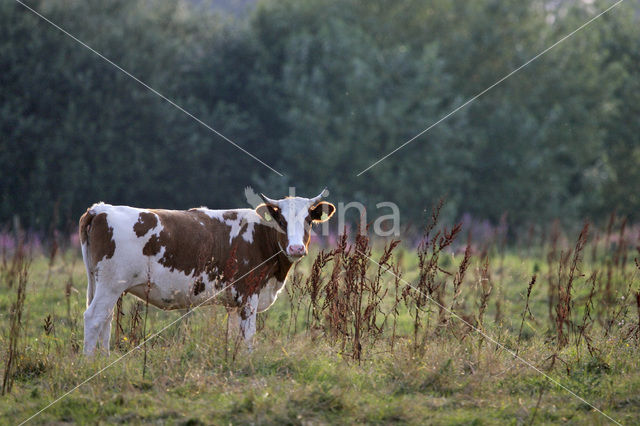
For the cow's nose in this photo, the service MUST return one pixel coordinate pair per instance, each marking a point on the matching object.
(296, 250)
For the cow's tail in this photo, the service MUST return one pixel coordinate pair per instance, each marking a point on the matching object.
(83, 229)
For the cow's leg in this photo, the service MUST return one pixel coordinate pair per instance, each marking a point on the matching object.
(91, 330)
(248, 320)
(97, 316)
(105, 333)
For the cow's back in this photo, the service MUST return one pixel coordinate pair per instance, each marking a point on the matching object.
(179, 257)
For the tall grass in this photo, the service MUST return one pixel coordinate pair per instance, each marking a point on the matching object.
(408, 314)
(16, 278)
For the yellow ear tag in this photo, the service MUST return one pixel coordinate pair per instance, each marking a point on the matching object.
(267, 217)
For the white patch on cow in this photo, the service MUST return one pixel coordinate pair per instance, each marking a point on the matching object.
(122, 266)
(90, 280)
(248, 324)
(248, 234)
(99, 207)
(269, 293)
(243, 216)
(295, 210)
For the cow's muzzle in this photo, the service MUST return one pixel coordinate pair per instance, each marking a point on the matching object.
(296, 250)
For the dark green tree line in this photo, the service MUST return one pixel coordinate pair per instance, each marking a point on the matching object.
(319, 90)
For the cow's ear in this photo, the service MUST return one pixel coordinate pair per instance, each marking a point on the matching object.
(266, 212)
(321, 212)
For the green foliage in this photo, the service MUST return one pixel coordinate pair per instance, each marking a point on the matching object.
(304, 378)
(320, 90)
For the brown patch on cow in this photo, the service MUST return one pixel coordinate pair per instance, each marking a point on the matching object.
(146, 221)
(230, 215)
(152, 247)
(256, 279)
(248, 281)
(84, 225)
(231, 265)
(192, 241)
(243, 227)
(195, 243)
(100, 239)
(198, 287)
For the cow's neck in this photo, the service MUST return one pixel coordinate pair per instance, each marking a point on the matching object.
(284, 266)
(282, 263)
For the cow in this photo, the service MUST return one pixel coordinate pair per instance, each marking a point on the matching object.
(179, 259)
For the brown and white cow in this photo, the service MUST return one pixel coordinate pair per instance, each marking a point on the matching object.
(179, 259)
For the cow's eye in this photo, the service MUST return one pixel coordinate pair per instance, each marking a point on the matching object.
(277, 216)
(274, 212)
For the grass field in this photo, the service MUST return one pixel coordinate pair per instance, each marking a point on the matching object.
(337, 349)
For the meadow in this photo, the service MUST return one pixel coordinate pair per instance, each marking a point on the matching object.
(449, 329)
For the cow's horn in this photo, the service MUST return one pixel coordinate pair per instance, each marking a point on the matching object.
(323, 193)
(268, 200)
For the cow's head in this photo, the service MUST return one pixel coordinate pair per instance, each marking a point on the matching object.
(293, 217)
